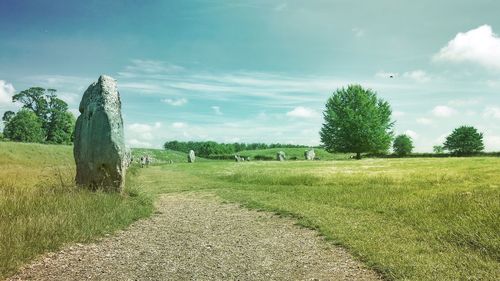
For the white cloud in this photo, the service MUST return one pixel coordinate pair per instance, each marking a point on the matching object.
(179, 125)
(138, 143)
(217, 110)
(384, 74)
(492, 111)
(411, 134)
(443, 111)
(138, 132)
(479, 45)
(417, 75)
(424, 121)
(358, 32)
(6, 93)
(492, 143)
(175, 102)
(301, 112)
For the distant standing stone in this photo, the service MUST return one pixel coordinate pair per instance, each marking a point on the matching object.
(99, 149)
(280, 156)
(309, 154)
(191, 156)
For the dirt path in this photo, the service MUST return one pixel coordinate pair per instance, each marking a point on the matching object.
(194, 238)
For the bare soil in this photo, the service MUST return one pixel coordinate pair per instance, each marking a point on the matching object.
(196, 237)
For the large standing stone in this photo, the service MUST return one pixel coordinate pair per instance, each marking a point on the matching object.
(309, 154)
(99, 149)
(191, 156)
(280, 156)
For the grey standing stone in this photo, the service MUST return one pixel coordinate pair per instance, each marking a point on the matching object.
(191, 156)
(309, 154)
(99, 147)
(280, 156)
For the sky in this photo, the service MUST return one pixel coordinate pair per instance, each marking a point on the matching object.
(261, 71)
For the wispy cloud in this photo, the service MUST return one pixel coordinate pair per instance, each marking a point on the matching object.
(217, 110)
(443, 111)
(302, 112)
(175, 102)
(417, 75)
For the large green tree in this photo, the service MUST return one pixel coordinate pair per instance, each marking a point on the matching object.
(24, 126)
(356, 120)
(57, 121)
(464, 140)
(402, 145)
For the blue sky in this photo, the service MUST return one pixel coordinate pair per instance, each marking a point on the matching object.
(261, 71)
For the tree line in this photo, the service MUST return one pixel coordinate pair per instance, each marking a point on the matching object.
(208, 148)
(43, 118)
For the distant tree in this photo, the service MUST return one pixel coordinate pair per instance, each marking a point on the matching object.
(61, 127)
(24, 126)
(464, 140)
(355, 120)
(438, 149)
(57, 121)
(403, 145)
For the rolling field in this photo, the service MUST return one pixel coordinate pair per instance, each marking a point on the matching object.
(410, 219)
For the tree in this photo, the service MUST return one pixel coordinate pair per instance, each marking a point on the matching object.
(464, 140)
(24, 126)
(438, 149)
(61, 126)
(403, 145)
(355, 120)
(8, 115)
(57, 121)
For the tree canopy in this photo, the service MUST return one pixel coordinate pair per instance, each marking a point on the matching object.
(24, 126)
(356, 120)
(56, 121)
(464, 140)
(403, 145)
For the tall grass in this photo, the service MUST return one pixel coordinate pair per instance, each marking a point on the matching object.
(41, 209)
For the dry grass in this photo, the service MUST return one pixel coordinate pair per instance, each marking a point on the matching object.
(41, 209)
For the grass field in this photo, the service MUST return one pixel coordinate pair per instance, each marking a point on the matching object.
(411, 219)
(40, 208)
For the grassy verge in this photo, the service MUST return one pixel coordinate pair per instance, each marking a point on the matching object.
(40, 208)
(411, 219)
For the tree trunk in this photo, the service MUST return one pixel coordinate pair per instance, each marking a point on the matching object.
(358, 155)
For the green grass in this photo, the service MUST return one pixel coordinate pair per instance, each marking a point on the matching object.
(293, 153)
(41, 209)
(161, 155)
(410, 219)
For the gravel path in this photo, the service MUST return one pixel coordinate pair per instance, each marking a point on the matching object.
(194, 237)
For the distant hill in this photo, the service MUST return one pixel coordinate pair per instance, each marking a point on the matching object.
(291, 154)
(35, 154)
(161, 155)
